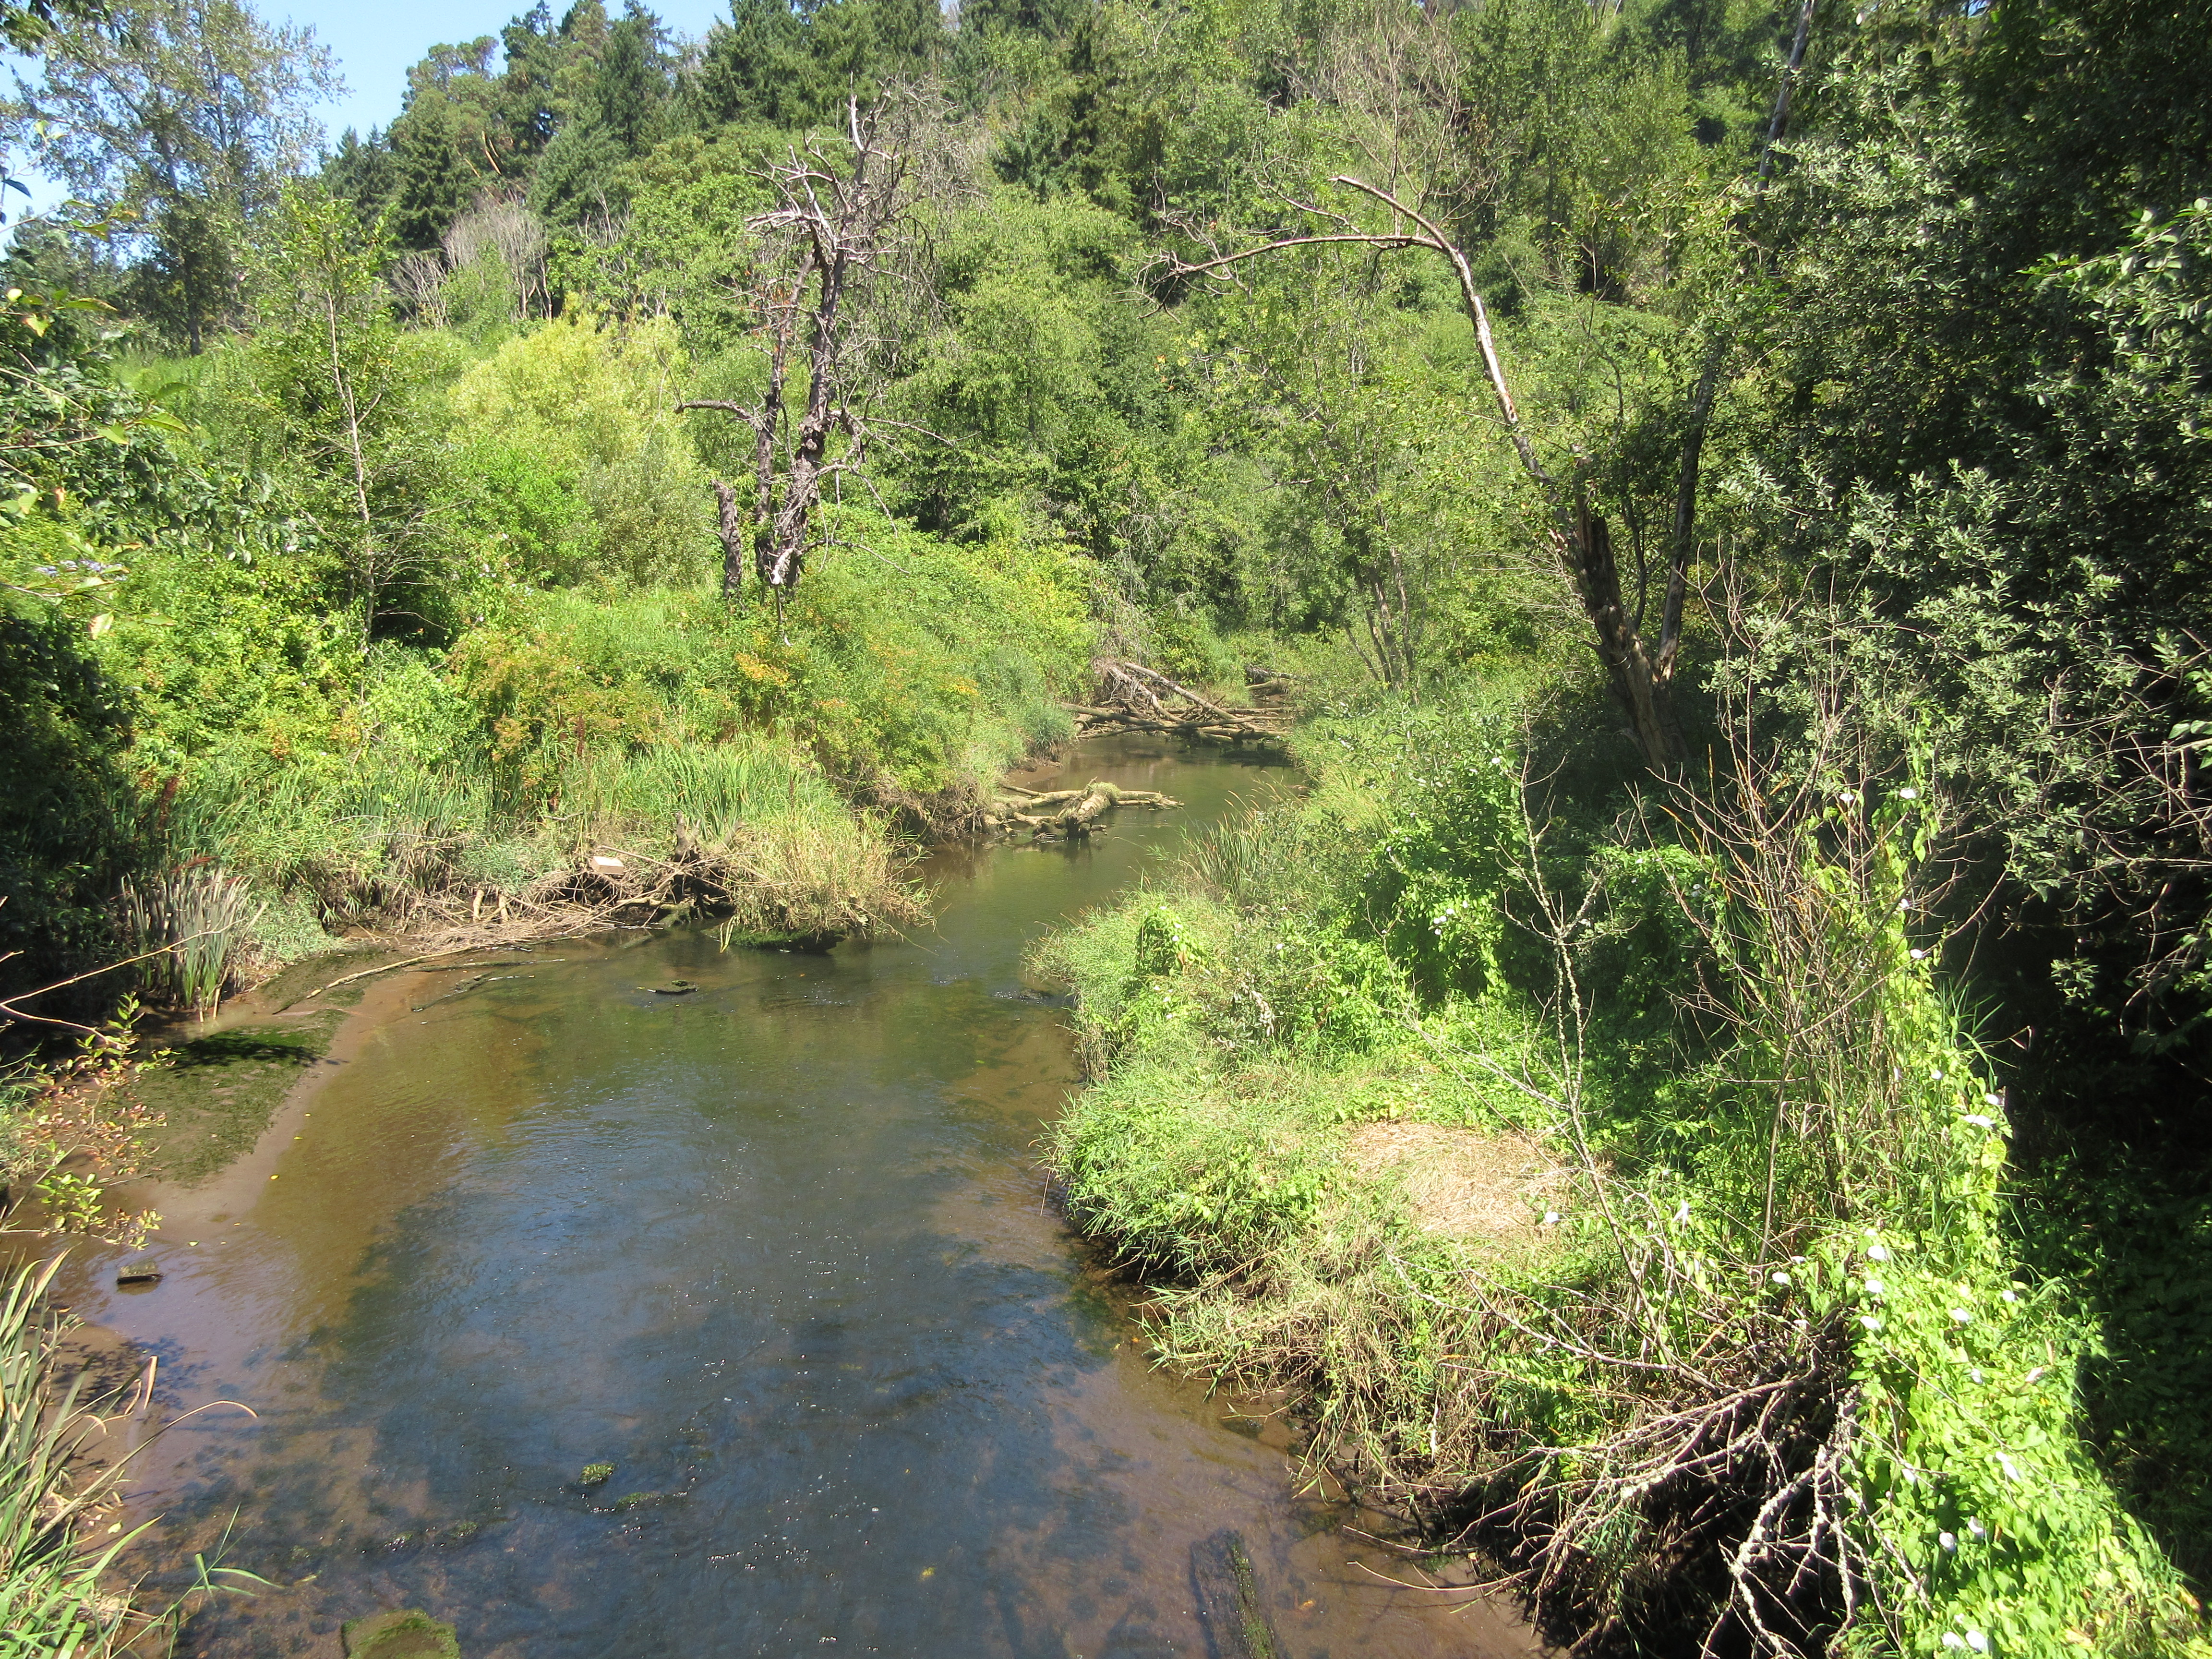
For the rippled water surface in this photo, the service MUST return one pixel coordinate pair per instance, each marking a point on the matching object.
(779, 1252)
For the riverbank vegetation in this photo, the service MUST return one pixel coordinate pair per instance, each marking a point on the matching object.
(1699, 1092)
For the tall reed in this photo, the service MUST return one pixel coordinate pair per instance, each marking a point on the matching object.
(51, 1604)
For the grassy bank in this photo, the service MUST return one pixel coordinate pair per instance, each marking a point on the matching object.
(1616, 1189)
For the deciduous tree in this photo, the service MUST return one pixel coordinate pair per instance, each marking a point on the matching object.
(184, 116)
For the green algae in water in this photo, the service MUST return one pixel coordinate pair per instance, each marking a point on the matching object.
(636, 1500)
(595, 1474)
(218, 1093)
(404, 1633)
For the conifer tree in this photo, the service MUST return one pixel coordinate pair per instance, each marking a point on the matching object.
(629, 96)
(432, 183)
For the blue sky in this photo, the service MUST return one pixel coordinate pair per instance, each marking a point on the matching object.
(374, 43)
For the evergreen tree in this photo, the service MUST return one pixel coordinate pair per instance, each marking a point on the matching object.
(751, 64)
(629, 96)
(532, 49)
(432, 183)
(362, 171)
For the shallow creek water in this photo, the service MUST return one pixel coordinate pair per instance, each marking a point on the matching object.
(779, 1252)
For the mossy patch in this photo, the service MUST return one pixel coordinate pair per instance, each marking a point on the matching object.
(404, 1633)
(218, 1093)
(595, 1474)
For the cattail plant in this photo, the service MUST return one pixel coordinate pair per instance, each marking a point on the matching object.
(194, 917)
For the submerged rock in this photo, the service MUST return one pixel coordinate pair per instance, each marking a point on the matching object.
(402, 1633)
(144, 1271)
(672, 987)
(595, 1474)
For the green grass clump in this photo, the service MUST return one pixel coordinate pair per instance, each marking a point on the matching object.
(53, 1601)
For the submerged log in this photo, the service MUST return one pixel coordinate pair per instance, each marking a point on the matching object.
(1229, 1599)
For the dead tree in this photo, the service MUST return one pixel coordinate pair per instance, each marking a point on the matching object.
(1641, 678)
(1641, 674)
(819, 248)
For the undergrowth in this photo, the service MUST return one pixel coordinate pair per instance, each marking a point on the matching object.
(1765, 1370)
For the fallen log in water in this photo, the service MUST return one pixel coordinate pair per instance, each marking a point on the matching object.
(1229, 1599)
(1134, 698)
(1078, 810)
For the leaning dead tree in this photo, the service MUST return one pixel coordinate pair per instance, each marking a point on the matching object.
(1641, 675)
(819, 248)
(1640, 670)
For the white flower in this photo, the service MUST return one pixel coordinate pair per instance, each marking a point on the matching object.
(1991, 1100)
(1976, 1640)
(1976, 1527)
(1779, 1277)
(1948, 1542)
(1978, 1121)
(1873, 1287)
(1908, 794)
(1682, 1212)
(1975, 1372)
(1877, 1252)
(2011, 1468)
(1935, 1072)
(1912, 1475)
(1960, 1317)
(1952, 1639)
(1551, 1217)
(1921, 956)
(2009, 1296)
(2036, 1376)
(1847, 798)
(1872, 1321)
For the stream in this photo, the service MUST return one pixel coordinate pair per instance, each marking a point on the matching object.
(781, 1252)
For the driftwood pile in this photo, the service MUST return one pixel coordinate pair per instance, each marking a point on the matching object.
(1131, 697)
(1057, 814)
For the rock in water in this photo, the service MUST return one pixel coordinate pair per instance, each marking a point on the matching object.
(404, 1633)
(1236, 1626)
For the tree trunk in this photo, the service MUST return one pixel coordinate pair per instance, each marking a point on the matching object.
(1644, 692)
(729, 524)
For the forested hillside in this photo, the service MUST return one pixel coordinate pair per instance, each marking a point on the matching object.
(1724, 486)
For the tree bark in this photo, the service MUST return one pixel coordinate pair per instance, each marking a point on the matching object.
(729, 524)
(1645, 693)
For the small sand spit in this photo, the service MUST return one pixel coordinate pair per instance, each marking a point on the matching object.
(1461, 1181)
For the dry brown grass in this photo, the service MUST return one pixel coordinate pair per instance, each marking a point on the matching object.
(1462, 1183)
